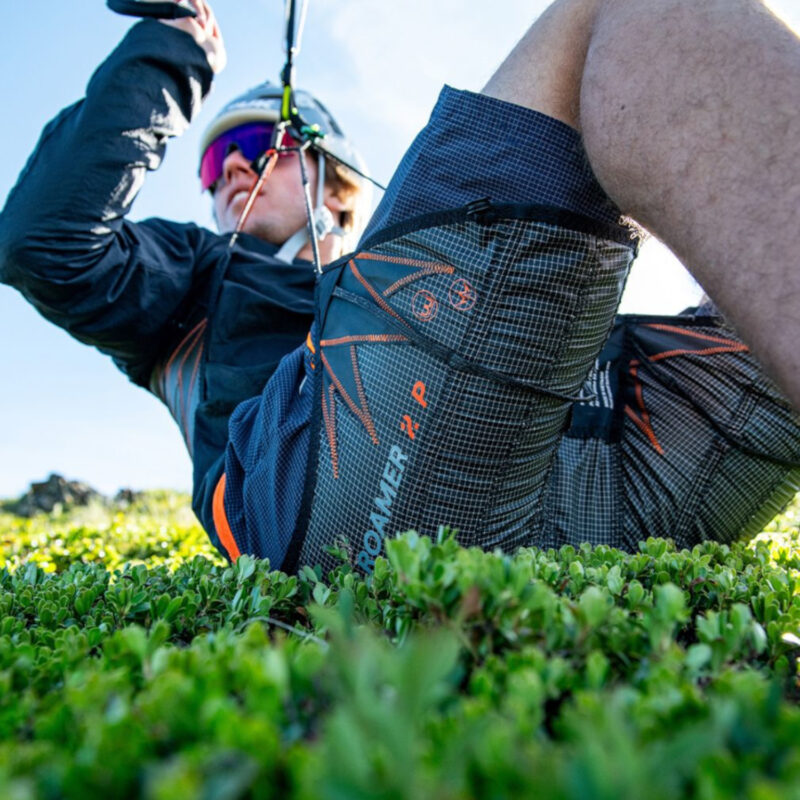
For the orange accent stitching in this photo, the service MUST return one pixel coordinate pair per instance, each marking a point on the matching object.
(411, 262)
(329, 418)
(375, 296)
(335, 453)
(639, 396)
(646, 429)
(644, 423)
(369, 337)
(181, 410)
(175, 353)
(184, 340)
(399, 284)
(343, 392)
(694, 334)
(189, 394)
(363, 397)
(221, 521)
(708, 351)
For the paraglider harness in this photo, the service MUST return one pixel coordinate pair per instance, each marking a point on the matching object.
(291, 121)
(633, 460)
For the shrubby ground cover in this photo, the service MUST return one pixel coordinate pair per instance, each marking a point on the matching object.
(134, 662)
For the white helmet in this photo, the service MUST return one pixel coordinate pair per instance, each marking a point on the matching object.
(263, 102)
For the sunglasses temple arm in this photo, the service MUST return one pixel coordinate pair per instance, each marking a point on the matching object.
(259, 163)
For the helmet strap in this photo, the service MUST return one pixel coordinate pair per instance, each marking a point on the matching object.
(324, 223)
(293, 245)
(299, 239)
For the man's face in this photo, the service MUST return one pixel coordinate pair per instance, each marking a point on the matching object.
(279, 209)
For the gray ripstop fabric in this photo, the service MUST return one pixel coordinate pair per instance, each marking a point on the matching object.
(449, 352)
(447, 358)
(696, 442)
(440, 355)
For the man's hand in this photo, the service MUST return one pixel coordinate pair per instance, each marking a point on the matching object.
(205, 31)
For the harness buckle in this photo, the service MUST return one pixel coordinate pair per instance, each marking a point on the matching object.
(482, 211)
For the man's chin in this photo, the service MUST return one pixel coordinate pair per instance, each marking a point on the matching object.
(258, 223)
(257, 228)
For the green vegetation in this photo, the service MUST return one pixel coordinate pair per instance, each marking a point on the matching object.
(157, 528)
(134, 662)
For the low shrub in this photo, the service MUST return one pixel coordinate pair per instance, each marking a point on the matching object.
(450, 673)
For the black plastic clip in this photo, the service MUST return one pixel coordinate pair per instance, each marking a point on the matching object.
(482, 211)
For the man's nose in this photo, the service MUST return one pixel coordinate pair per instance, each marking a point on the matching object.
(234, 163)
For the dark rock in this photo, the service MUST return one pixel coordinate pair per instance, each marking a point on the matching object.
(127, 496)
(55, 491)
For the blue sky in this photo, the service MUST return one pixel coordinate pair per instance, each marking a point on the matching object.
(378, 65)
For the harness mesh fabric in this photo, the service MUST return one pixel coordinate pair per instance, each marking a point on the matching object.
(698, 444)
(684, 438)
(449, 346)
(448, 358)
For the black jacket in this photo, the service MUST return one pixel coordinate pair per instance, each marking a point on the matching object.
(200, 325)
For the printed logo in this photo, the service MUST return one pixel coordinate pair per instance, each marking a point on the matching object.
(409, 427)
(462, 296)
(598, 386)
(425, 306)
(372, 540)
(381, 515)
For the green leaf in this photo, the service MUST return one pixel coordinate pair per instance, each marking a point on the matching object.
(698, 656)
(670, 602)
(594, 605)
(245, 567)
(614, 580)
(597, 669)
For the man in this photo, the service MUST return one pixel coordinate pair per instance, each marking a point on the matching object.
(201, 324)
(449, 353)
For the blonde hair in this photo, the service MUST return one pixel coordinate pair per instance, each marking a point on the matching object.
(356, 193)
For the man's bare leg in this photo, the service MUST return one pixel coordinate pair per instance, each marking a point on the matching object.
(689, 114)
(545, 70)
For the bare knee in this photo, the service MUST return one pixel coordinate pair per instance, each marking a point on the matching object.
(664, 86)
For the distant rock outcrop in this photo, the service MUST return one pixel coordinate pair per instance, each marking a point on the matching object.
(56, 490)
(127, 497)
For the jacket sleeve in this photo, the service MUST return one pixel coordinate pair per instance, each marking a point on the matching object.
(64, 241)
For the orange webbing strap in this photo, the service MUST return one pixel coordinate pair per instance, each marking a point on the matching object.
(221, 521)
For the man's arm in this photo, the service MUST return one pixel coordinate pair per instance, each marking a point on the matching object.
(64, 242)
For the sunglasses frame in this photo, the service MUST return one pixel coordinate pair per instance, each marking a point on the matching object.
(249, 138)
